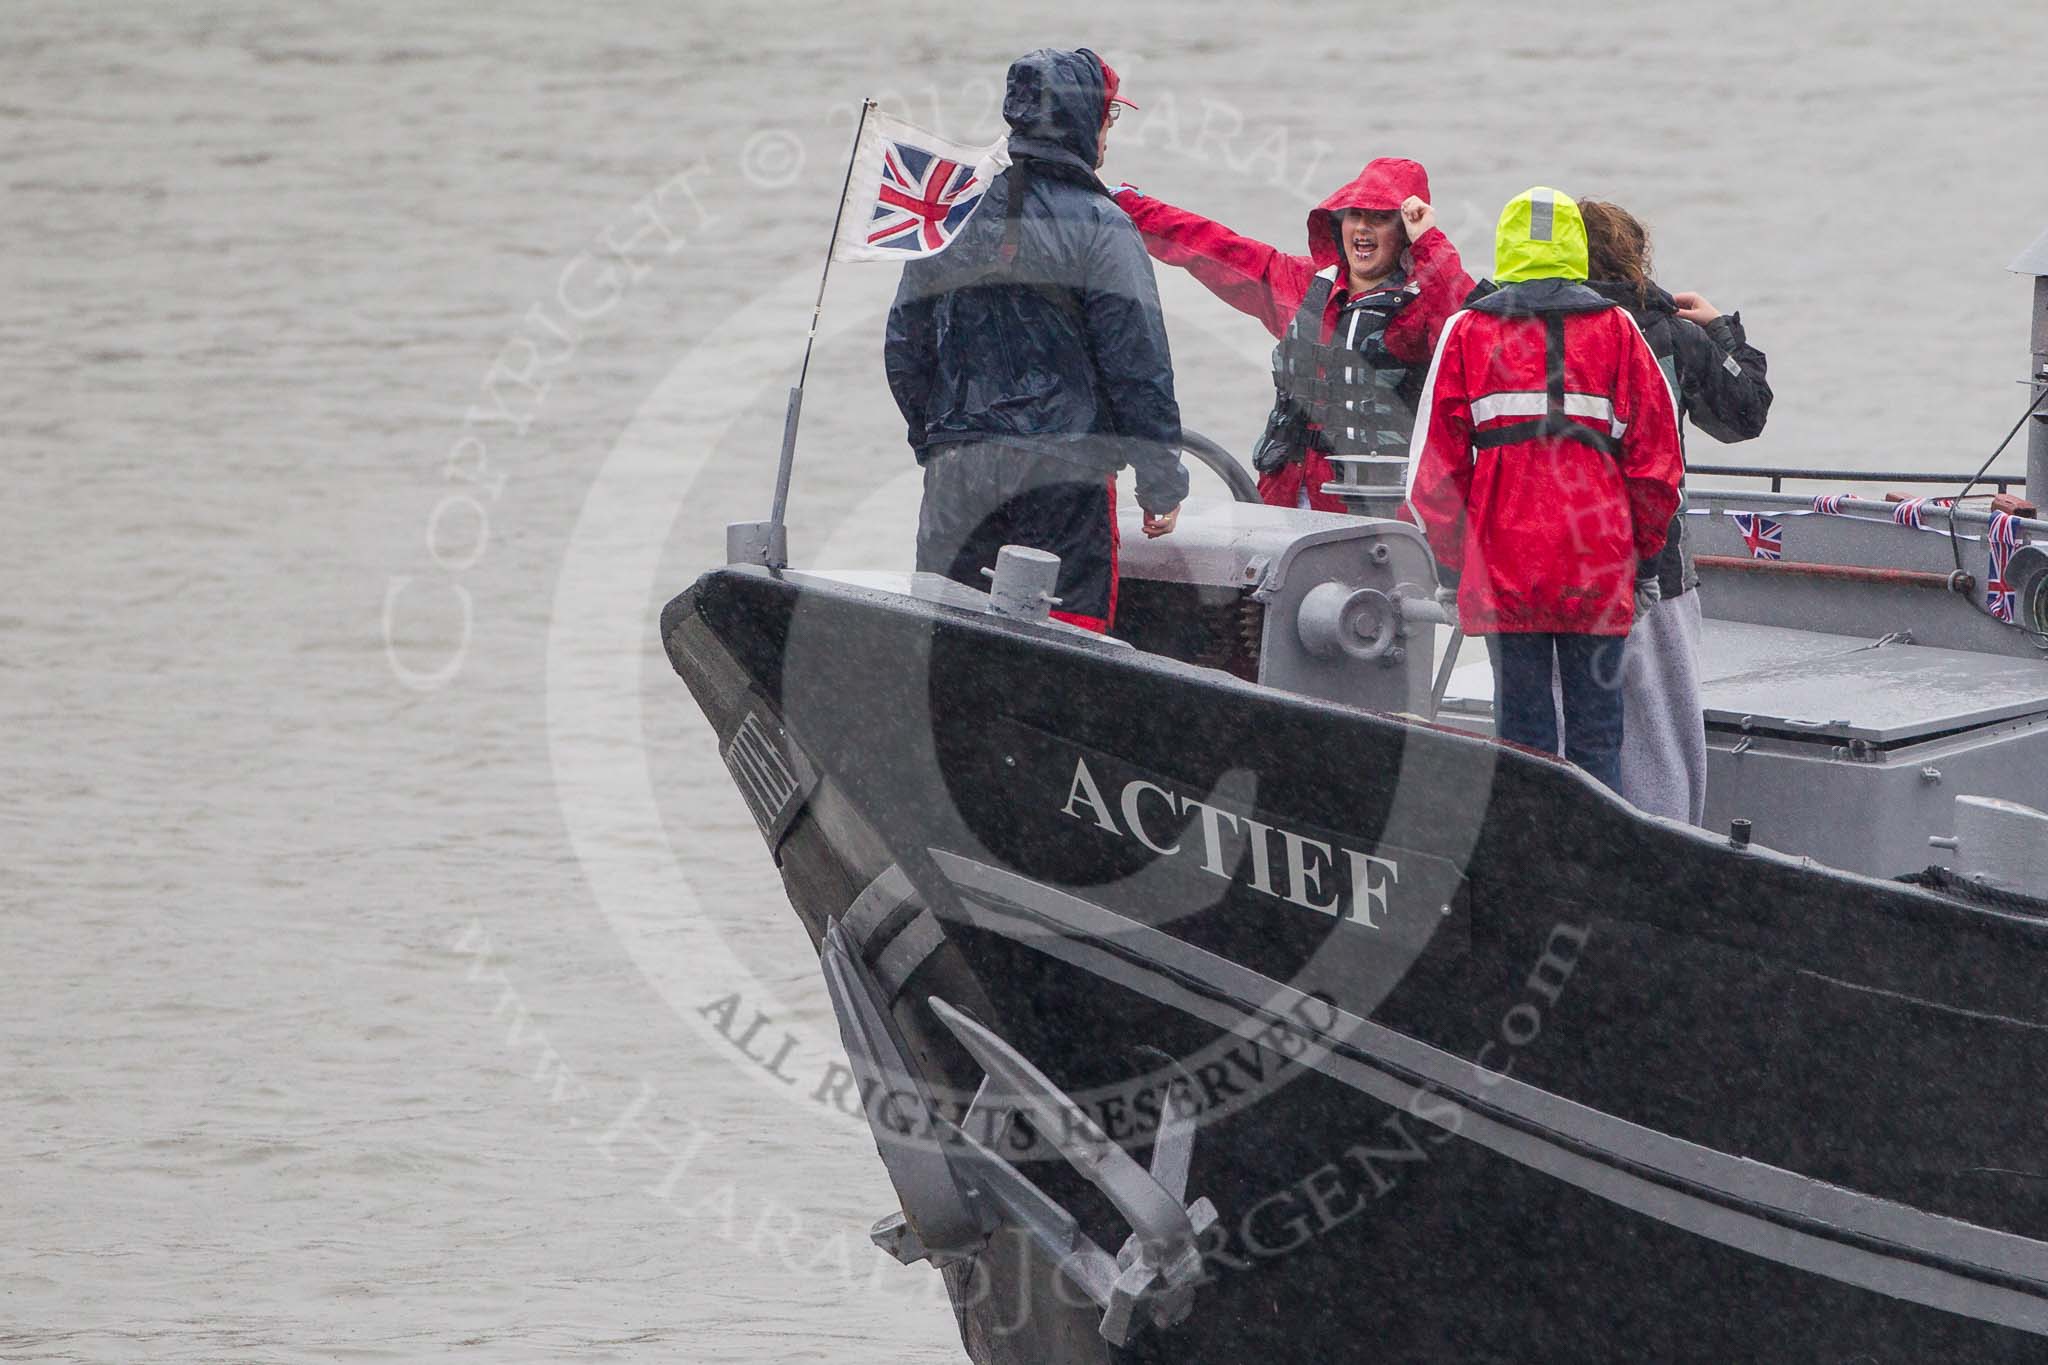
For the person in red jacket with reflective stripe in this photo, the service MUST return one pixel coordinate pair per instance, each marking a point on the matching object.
(1356, 318)
(1546, 473)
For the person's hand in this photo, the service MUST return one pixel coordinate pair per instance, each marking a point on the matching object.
(1649, 592)
(1695, 308)
(1162, 524)
(1447, 598)
(1417, 216)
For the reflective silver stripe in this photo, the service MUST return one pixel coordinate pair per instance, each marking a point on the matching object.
(1425, 407)
(1508, 405)
(1542, 209)
(1536, 404)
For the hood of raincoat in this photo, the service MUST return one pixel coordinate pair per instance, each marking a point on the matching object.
(1653, 302)
(1541, 237)
(1384, 184)
(1054, 103)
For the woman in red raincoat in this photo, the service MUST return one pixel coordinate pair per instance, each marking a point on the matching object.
(1356, 318)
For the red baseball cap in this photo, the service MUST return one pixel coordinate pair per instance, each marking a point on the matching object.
(1110, 82)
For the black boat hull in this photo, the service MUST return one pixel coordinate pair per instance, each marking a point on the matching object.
(1488, 1067)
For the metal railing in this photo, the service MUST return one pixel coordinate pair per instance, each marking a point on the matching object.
(1934, 516)
(2001, 482)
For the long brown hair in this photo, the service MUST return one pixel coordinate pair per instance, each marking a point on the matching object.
(1617, 246)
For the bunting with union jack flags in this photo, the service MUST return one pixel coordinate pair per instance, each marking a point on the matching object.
(1764, 537)
(1999, 598)
(910, 191)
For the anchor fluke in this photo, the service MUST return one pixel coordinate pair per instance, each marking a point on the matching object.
(1159, 1265)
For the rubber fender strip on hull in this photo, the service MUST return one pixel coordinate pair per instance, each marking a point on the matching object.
(907, 952)
(883, 897)
(1823, 1229)
(891, 930)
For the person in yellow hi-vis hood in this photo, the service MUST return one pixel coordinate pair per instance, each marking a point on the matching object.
(1546, 469)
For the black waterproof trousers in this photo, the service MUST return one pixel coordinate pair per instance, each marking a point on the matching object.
(980, 496)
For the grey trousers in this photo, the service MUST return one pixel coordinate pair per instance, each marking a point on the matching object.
(1664, 734)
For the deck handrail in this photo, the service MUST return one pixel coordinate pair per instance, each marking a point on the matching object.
(1865, 509)
(1777, 476)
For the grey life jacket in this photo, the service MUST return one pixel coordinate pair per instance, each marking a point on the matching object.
(1350, 399)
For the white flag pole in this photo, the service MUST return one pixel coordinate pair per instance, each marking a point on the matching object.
(778, 539)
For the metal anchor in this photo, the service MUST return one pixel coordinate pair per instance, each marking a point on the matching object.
(956, 1191)
(939, 1222)
(1160, 1263)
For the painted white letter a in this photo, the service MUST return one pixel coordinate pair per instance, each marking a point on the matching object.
(1087, 793)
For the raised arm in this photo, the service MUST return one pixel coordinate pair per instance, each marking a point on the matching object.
(1248, 275)
(1721, 375)
(1441, 285)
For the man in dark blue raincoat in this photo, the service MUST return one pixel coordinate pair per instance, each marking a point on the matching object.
(1030, 359)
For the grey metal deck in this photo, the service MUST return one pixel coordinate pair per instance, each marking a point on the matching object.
(1848, 687)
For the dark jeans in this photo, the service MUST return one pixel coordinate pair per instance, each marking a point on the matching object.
(979, 497)
(1589, 672)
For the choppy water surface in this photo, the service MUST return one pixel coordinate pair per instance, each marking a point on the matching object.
(380, 932)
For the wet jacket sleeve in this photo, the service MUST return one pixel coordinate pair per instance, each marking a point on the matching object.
(1651, 465)
(1127, 343)
(1722, 378)
(908, 355)
(1441, 286)
(1441, 453)
(1250, 276)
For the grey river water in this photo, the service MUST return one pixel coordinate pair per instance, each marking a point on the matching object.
(387, 968)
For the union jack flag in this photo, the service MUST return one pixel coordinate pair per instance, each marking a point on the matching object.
(1907, 513)
(923, 199)
(1764, 537)
(909, 191)
(2004, 537)
(1829, 504)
